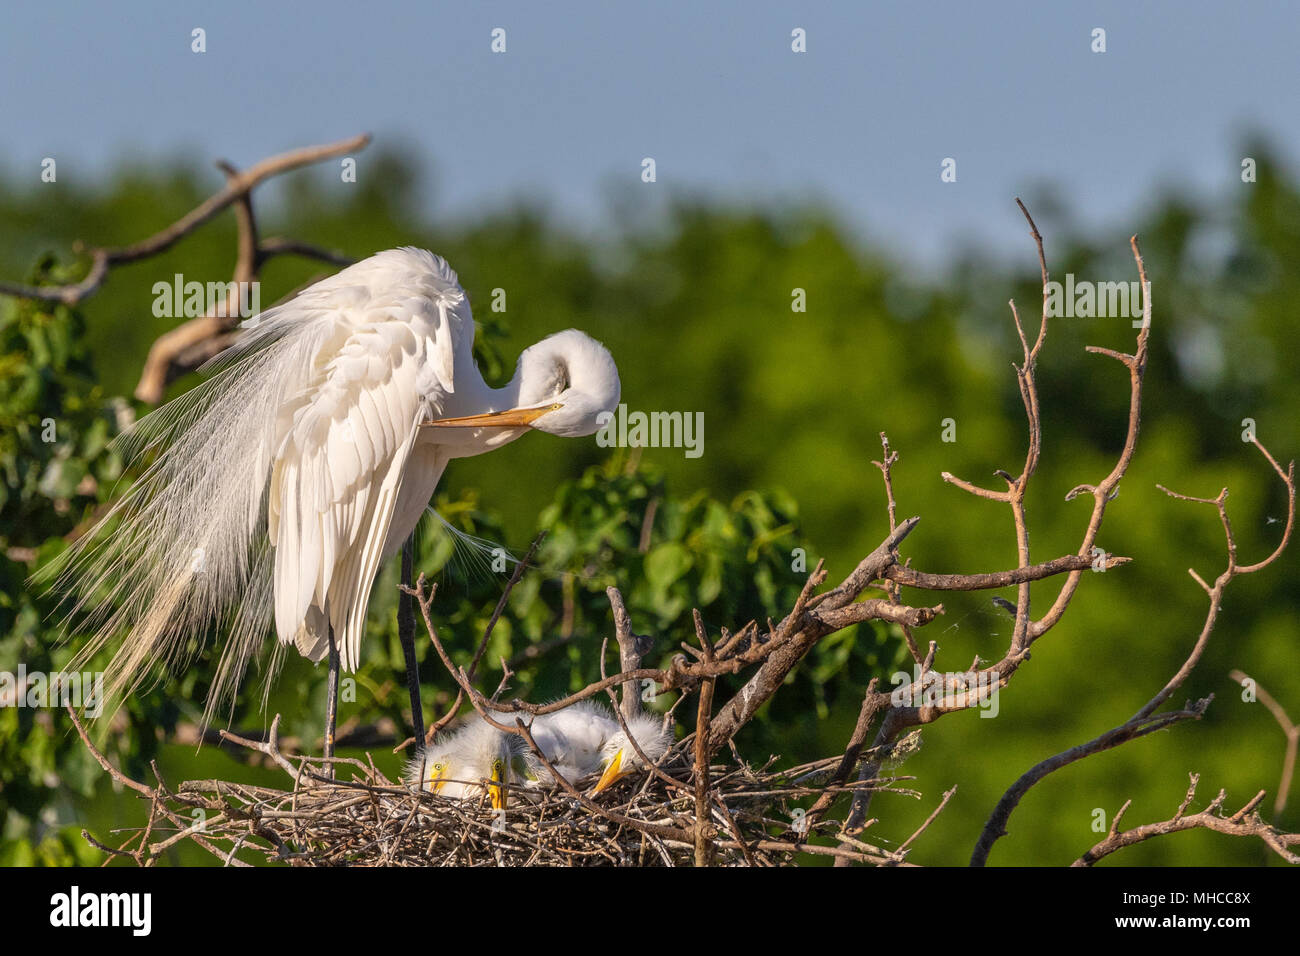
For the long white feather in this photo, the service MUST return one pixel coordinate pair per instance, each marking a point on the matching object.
(224, 506)
(278, 486)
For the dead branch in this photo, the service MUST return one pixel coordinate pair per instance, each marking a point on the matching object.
(631, 648)
(1246, 822)
(1146, 719)
(1026, 630)
(192, 343)
(237, 187)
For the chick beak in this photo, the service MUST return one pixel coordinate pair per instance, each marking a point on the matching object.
(509, 418)
(612, 773)
(436, 780)
(496, 792)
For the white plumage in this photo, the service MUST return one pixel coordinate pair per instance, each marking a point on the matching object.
(619, 758)
(465, 764)
(585, 739)
(283, 482)
(571, 739)
(580, 741)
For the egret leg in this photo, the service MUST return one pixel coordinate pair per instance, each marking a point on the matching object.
(332, 702)
(406, 634)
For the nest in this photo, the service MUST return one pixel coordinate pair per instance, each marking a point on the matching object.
(365, 819)
(356, 816)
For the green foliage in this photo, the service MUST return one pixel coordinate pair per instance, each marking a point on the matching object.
(54, 430)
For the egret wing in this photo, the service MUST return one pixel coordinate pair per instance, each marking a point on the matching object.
(343, 445)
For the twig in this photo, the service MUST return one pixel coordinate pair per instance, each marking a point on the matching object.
(237, 186)
(1146, 719)
(1246, 822)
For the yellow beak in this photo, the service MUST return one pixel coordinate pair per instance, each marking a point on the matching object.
(612, 774)
(510, 418)
(436, 779)
(496, 792)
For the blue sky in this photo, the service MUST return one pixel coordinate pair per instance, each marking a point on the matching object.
(861, 122)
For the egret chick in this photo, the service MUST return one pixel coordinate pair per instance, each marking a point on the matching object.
(458, 765)
(619, 758)
(572, 740)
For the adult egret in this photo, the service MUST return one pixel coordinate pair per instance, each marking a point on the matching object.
(462, 764)
(281, 483)
(619, 758)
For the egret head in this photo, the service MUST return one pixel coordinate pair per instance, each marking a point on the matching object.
(572, 376)
(565, 382)
(619, 758)
(462, 765)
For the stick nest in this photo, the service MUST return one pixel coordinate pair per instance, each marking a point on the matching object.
(365, 819)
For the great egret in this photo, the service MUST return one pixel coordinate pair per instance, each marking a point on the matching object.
(462, 764)
(620, 758)
(282, 482)
(571, 739)
(579, 741)
(585, 739)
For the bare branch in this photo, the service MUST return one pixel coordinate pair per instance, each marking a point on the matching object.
(1145, 720)
(1246, 822)
(237, 187)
